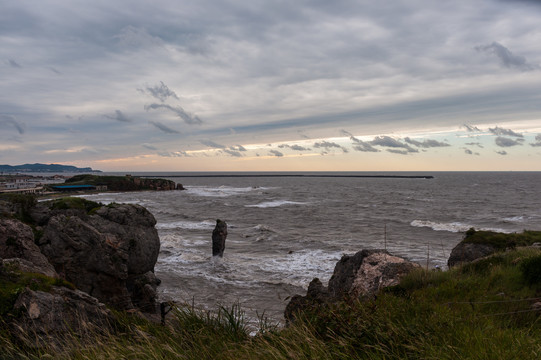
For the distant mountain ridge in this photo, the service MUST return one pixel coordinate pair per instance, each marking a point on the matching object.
(48, 168)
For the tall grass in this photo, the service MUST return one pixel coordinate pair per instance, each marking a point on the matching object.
(479, 311)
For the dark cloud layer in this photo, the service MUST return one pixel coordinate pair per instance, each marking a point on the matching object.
(276, 153)
(471, 128)
(188, 119)
(506, 142)
(119, 116)
(427, 143)
(163, 127)
(212, 144)
(11, 120)
(504, 132)
(507, 58)
(160, 92)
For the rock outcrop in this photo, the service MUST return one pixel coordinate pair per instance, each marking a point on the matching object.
(219, 234)
(360, 275)
(47, 317)
(100, 252)
(466, 252)
(17, 247)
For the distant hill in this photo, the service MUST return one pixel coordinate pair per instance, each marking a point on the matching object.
(47, 168)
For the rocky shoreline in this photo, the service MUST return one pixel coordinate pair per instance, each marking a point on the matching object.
(69, 262)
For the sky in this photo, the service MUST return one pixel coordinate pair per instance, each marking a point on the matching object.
(249, 85)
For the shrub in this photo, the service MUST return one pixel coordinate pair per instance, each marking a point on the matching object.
(531, 270)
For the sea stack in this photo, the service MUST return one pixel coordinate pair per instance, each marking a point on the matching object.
(218, 238)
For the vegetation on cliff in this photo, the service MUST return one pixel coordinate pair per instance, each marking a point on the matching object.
(122, 183)
(484, 310)
(501, 241)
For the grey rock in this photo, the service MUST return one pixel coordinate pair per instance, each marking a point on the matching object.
(366, 272)
(360, 275)
(219, 234)
(46, 318)
(466, 252)
(99, 252)
(17, 242)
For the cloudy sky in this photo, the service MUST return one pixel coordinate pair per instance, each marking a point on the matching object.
(271, 85)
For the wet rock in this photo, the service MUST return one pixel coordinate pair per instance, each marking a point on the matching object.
(316, 295)
(466, 252)
(45, 318)
(219, 234)
(17, 247)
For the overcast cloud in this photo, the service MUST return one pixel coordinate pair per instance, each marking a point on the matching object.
(416, 77)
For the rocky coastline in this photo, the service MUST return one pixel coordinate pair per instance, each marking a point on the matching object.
(68, 265)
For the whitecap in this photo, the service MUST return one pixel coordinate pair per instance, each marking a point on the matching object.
(221, 191)
(276, 203)
(188, 225)
(453, 226)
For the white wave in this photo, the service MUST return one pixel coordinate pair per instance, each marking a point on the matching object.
(188, 225)
(514, 219)
(276, 203)
(222, 191)
(453, 226)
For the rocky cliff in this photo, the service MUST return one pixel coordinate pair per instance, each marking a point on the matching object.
(124, 183)
(68, 257)
(109, 252)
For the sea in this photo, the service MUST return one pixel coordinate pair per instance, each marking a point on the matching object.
(285, 229)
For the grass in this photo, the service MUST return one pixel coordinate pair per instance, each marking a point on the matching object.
(478, 311)
(66, 203)
(502, 241)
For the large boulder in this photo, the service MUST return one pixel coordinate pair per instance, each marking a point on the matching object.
(466, 252)
(360, 275)
(366, 272)
(17, 247)
(45, 318)
(98, 252)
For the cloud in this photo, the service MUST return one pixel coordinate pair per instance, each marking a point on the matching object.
(506, 57)
(364, 147)
(506, 142)
(14, 64)
(471, 128)
(427, 143)
(503, 152)
(276, 153)
(359, 145)
(160, 92)
(232, 152)
(188, 119)
(294, 147)
(237, 148)
(164, 128)
(11, 120)
(469, 152)
(119, 116)
(149, 147)
(328, 145)
(387, 141)
(537, 141)
(397, 151)
(212, 144)
(478, 144)
(174, 154)
(505, 132)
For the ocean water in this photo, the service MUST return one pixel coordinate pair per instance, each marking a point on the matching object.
(284, 231)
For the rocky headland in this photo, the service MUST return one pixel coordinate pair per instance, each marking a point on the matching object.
(124, 183)
(73, 259)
